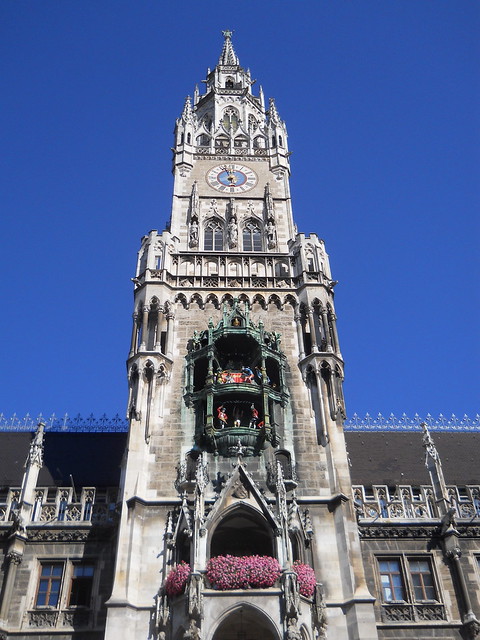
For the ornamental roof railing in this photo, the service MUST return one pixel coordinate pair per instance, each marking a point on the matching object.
(65, 423)
(118, 424)
(406, 423)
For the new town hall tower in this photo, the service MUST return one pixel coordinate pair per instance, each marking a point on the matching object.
(236, 446)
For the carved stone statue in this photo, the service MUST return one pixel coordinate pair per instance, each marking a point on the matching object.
(271, 235)
(292, 632)
(232, 232)
(193, 632)
(193, 240)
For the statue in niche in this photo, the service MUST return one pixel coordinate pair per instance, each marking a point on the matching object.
(193, 240)
(193, 632)
(213, 207)
(232, 232)
(271, 235)
(222, 416)
(254, 418)
(247, 374)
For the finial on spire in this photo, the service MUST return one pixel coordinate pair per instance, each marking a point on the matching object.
(273, 113)
(430, 449)
(228, 55)
(35, 454)
(187, 109)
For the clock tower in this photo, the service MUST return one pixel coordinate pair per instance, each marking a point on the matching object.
(235, 515)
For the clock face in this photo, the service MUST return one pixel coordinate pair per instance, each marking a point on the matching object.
(231, 178)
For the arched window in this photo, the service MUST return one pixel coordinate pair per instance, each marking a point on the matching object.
(189, 138)
(280, 141)
(221, 141)
(242, 533)
(203, 140)
(229, 83)
(252, 237)
(213, 240)
(240, 141)
(230, 119)
(281, 269)
(207, 121)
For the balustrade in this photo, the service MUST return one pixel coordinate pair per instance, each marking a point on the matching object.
(61, 508)
(381, 502)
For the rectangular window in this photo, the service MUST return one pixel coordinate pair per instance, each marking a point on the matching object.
(391, 579)
(247, 241)
(257, 241)
(407, 579)
(49, 585)
(409, 590)
(218, 240)
(208, 244)
(81, 585)
(422, 580)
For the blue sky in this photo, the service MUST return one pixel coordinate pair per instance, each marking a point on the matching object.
(381, 101)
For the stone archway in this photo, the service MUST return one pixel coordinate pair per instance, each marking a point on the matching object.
(245, 623)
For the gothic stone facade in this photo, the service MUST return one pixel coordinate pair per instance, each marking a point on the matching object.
(236, 446)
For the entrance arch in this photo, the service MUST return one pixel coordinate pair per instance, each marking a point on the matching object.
(248, 623)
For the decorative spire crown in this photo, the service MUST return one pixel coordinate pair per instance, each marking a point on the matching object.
(228, 55)
(187, 112)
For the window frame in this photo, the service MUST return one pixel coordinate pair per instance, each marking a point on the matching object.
(50, 578)
(215, 229)
(66, 580)
(404, 561)
(71, 581)
(252, 233)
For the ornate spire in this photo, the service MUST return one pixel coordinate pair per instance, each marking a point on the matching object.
(228, 55)
(187, 113)
(273, 113)
(35, 454)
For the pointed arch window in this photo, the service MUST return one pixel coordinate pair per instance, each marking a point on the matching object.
(252, 237)
(230, 119)
(213, 238)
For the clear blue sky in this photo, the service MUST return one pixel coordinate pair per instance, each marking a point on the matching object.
(381, 101)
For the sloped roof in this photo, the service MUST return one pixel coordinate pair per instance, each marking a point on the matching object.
(93, 459)
(387, 457)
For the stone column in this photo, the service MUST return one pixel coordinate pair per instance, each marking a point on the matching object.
(13, 559)
(326, 330)
(133, 343)
(321, 404)
(170, 318)
(333, 320)
(143, 345)
(159, 328)
(311, 324)
(301, 346)
(469, 619)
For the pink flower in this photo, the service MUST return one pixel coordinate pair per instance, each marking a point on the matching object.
(177, 579)
(247, 572)
(306, 578)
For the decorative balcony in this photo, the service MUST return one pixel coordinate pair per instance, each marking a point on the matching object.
(232, 441)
